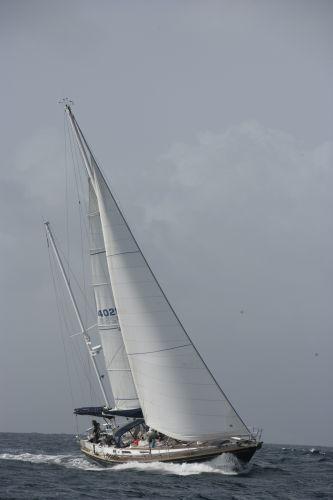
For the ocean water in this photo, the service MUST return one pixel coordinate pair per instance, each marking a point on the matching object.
(47, 466)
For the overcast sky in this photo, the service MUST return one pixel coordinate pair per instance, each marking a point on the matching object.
(214, 122)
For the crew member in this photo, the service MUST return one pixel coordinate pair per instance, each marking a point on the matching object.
(152, 435)
(96, 431)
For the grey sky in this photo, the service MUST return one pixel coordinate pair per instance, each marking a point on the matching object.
(214, 121)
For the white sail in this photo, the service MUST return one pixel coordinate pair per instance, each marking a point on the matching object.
(179, 396)
(116, 361)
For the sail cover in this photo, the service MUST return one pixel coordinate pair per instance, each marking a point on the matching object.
(179, 396)
(120, 376)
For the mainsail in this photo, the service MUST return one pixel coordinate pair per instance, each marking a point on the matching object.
(116, 361)
(178, 394)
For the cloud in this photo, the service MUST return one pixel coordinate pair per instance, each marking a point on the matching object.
(237, 220)
(248, 173)
(241, 220)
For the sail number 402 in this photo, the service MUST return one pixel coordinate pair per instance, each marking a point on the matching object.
(107, 312)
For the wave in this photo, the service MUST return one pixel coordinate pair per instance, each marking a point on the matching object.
(226, 464)
(30, 457)
(299, 450)
(64, 460)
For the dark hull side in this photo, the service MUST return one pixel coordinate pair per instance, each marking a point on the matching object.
(244, 455)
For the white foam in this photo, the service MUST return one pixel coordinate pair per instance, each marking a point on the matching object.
(65, 460)
(30, 457)
(83, 464)
(225, 464)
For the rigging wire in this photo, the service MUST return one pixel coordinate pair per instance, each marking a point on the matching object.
(80, 174)
(81, 357)
(60, 323)
(77, 170)
(83, 229)
(84, 364)
(81, 223)
(66, 190)
(61, 306)
(74, 278)
(80, 363)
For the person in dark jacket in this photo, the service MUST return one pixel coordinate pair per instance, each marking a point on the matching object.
(96, 431)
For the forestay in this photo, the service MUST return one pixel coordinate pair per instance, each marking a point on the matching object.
(120, 376)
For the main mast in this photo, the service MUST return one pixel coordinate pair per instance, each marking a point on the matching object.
(79, 140)
(230, 413)
(115, 355)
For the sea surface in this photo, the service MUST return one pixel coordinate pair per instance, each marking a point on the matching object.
(40, 466)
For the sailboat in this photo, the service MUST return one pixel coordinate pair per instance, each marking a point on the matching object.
(174, 408)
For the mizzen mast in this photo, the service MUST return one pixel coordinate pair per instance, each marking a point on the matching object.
(92, 351)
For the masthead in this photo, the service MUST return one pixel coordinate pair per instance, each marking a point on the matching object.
(68, 103)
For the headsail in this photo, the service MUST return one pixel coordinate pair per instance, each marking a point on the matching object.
(116, 361)
(178, 394)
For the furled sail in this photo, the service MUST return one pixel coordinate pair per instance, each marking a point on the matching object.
(119, 373)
